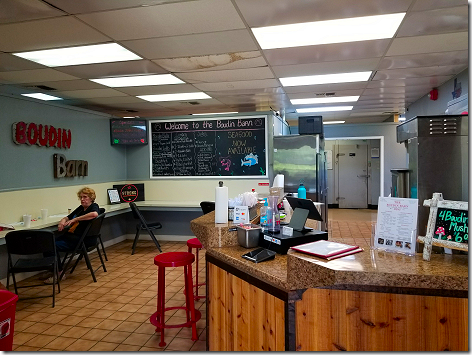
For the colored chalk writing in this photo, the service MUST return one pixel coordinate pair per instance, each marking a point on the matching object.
(452, 225)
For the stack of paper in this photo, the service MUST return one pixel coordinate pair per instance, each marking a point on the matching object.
(327, 250)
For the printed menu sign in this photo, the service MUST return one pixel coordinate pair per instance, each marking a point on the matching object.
(396, 224)
(209, 147)
(452, 225)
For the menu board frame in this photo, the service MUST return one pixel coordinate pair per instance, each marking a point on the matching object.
(214, 121)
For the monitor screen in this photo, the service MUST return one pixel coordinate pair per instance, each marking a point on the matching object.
(128, 132)
(306, 204)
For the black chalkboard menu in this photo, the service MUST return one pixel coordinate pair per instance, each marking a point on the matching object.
(126, 132)
(234, 147)
(452, 225)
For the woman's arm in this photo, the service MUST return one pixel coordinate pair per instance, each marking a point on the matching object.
(62, 223)
(85, 217)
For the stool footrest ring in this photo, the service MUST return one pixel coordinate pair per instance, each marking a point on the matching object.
(153, 319)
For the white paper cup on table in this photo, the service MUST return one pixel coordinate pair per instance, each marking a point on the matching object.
(27, 220)
(44, 213)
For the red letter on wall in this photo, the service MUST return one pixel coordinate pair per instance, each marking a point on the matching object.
(19, 132)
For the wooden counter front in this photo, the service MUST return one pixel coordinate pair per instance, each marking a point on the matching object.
(370, 301)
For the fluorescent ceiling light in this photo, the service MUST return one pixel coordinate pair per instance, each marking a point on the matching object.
(326, 78)
(42, 96)
(333, 122)
(332, 31)
(97, 53)
(175, 97)
(214, 113)
(324, 109)
(324, 100)
(139, 80)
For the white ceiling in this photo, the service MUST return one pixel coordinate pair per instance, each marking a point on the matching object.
(209, 45)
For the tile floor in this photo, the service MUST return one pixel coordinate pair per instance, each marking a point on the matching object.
(113, 313)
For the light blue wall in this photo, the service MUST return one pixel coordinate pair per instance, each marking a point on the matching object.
(425, 106)
(25, 167)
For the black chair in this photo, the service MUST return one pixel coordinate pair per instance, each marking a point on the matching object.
(102, 211)
(143, 225)
(91, 232)
(28, 243)
(207, 206)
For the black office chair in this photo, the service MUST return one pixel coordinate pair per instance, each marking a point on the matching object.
(207, 206)
(143, 225)
(28, 243)
(102, 211)
(91, 232)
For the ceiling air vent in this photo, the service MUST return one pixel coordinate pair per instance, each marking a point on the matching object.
(131, 111)
(325, 94)
(44, 87)
(194, 103)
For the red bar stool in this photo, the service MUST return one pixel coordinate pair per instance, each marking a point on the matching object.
(194, 243)
(175, 259)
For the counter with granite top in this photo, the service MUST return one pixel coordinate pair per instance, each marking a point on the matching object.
(369, 301)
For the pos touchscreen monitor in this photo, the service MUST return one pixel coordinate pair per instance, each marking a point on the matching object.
(305, 204)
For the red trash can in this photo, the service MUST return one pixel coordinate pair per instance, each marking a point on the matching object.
(7, 319)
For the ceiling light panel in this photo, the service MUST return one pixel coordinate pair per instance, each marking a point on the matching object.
(97, 53)
(175, 97)
(324, 100)
(324, 109)
(42, 96)
(326, 78)
(139, 80)
(333, 122)
(332, 31)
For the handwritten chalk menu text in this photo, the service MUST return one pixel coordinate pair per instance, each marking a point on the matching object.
(209, 147)
(452, 225)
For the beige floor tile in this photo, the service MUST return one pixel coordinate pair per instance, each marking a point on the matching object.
(54, 318)
(22, 325)
(128, 326)
(95, 334)
(40, 340)
(116, 336)
(21, 338)
(139, 317)
(60, 343)
(120, 315)
(38, 328)
(128, 307)
(25, 348)
(102, 313)
(81, 345)
(57, 329)
(137, 339)
(146, 328)
(76, 332)
(103, 346)
(145, 348)
(35, 316)
(71, 320)
(84, 312)
(90, 322)
(125, 347)
(180, 344)
(108, 324)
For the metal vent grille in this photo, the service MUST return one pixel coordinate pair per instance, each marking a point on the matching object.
(441, 126)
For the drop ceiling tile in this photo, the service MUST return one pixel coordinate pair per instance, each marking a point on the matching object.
(101, 70)
(379, 101)
(433, 81)
(454, 19)
(15, 11)
(247, 99)
(9, 62)
(258, 13)
(166, 20)
(323, 88)
(63, 31)
(422, 5)
(415, 72)
(114, 100)
(238, 60)
(69, 85)
(326, 67)
(338, 93)
(226, 75)
(238, 85)
(185, 104)
(327, 52)
(158, 89)
(379, 96)
(429, 44)
(84, 6)
(34, 75)
(138, 106)
(84, 94)
(193, 44)
(255, 91)
(425, 60)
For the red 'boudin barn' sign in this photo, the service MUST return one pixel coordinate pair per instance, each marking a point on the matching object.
(42, 135)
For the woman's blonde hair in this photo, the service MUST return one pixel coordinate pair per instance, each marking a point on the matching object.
(87, 191)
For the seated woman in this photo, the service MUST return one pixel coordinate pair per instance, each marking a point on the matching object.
(74, 225)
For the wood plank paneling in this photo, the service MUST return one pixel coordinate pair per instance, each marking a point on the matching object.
(368, 321)
(242, 317)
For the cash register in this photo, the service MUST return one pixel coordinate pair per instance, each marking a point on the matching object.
(302, 210)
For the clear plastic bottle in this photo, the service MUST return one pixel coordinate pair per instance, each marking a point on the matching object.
(274, 216)
(264, 216)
